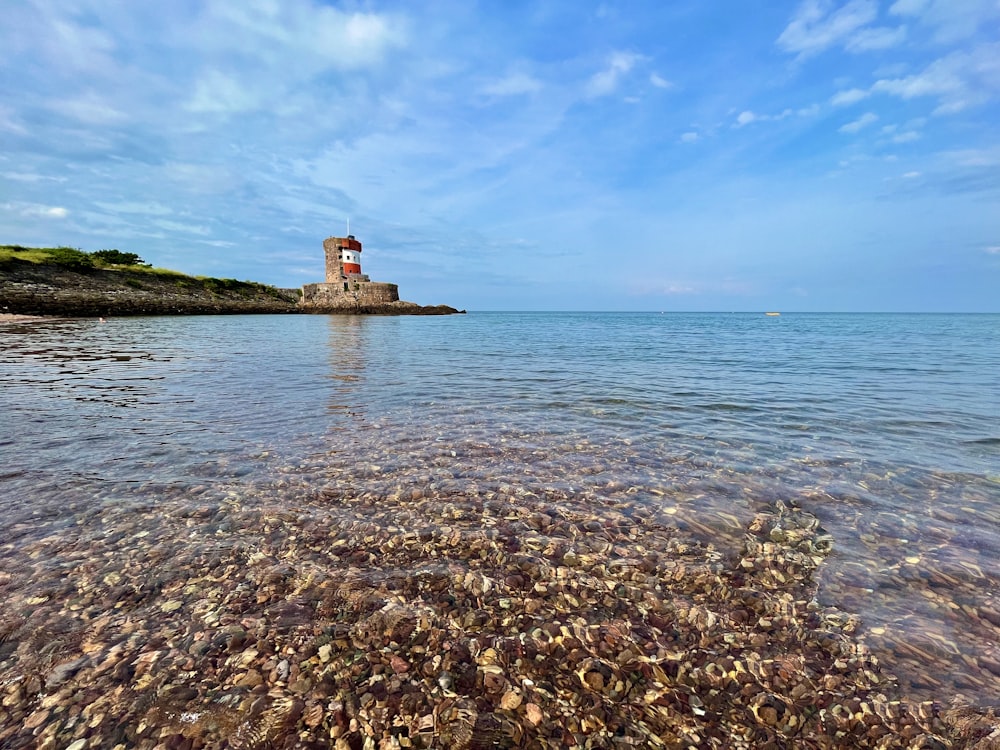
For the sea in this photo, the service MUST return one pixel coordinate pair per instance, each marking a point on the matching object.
(886, 427)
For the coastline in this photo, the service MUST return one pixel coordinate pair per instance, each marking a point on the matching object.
(51, 290)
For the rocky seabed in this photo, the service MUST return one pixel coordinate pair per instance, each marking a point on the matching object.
(418, 616)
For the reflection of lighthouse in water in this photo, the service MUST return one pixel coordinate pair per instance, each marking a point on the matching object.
(348, 346)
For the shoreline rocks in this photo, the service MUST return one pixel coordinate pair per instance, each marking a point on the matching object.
(393, 308)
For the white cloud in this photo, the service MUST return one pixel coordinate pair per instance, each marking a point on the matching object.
(514, 84)
(177, 226)
(908, 137)
(660, 82)
(36, 210)
(690, 137)
(273, 56)
(312, 35)
(670, 288)
(88, 108)
(890, 70)
(606, 81)
(149, 208)
(911, 175)
(950, 21)
(937, 80)
(908, 7)
(747, 116)
(219, 93)
(874, 39)
(202, 178)
(850, 96)
(973, 157)
(8, 122)
(32, 177)
(862, 122)
(79, 47)
(958, 80)
(816, 26)
(993, 250)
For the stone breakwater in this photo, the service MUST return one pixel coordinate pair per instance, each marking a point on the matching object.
(35, 289)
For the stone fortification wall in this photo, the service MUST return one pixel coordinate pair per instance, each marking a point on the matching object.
(359, 294)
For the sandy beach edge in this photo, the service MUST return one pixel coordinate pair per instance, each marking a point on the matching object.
(18, 318)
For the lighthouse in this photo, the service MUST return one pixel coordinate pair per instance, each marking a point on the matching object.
(343, 260)
(350, 256)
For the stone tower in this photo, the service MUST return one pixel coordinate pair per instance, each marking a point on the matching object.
(343, 259)
(346, 288)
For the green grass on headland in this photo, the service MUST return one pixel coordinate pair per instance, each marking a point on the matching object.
(80, 261)
(72, 258)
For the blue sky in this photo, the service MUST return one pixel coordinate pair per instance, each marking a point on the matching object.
(684, 155)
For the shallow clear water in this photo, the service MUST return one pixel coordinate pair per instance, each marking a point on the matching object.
(886, 427)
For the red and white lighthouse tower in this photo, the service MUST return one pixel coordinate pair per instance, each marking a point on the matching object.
(350, 256)
(343, 259)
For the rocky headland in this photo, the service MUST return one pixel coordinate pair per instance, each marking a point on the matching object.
(31, 288)
(46, 289)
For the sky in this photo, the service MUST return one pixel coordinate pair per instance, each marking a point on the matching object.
(812, 155)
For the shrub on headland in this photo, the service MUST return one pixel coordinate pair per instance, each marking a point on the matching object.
(118, 258)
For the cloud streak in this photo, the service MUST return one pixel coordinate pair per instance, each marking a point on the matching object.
(958, 80)
(514, 84)
(868, 118)
(606, 81)
(820, 25)
(848, 97)
(35, 210)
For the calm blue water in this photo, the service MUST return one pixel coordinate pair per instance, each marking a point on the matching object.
(887, 427)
